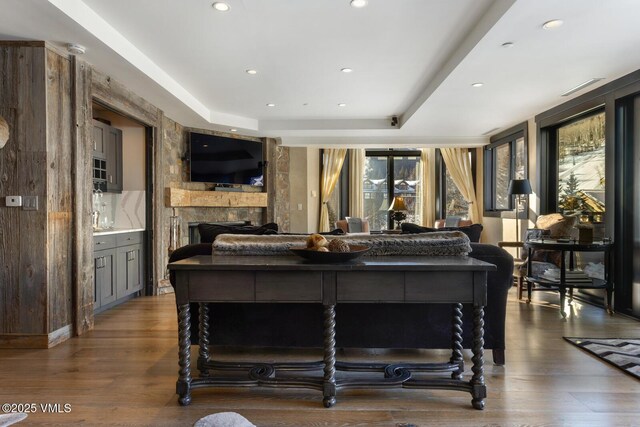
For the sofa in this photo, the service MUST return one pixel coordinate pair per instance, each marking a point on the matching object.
(392, 325)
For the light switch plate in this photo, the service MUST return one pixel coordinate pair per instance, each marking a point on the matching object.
(30, 203)
(13, 201)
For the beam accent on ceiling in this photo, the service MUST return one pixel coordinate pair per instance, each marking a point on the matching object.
(87, 18)
(493, 14)
(336, 124)
(383, 141)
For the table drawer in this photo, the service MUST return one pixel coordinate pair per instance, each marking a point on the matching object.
(439, 287)
(374, 286)
(238, 286)
(288, 286)
(104, 242)
(126, 239)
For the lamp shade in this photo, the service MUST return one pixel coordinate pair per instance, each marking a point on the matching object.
(398, 204)
(519, 186)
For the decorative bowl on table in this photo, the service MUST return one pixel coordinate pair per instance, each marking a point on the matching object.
(313, 255)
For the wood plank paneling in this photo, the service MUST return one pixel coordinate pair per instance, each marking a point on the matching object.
(178, 197)
(59, 191)
(32, 175)
(83, 292)
(121, 99)
(23, 172)
(9, 232)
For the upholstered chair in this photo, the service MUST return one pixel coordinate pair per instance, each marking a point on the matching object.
(353, 225)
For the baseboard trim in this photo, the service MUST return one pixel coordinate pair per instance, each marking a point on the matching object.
(60, 335)
(36, 340)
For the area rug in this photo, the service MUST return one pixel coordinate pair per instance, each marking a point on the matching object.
(622, 353)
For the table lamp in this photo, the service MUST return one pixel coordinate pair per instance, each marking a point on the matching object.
(398, 208)
(519, 187)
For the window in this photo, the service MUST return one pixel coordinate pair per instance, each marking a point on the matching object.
(579, 148)
(451, 201)
(505, 158)
(387, 174)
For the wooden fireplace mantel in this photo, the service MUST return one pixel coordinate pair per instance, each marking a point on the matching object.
(178, 198)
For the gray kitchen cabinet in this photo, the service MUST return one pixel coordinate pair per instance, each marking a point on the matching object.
(129, 270)
(99, 140)
(107, 145)
(104, 263)
(118, 268)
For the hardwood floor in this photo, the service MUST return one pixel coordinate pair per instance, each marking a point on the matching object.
(124, 373)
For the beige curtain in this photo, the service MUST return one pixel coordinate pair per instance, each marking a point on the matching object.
(459, 167)
(356, 175)
(426, 203)
(332, 160)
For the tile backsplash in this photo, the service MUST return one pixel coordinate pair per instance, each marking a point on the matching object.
(125, 210)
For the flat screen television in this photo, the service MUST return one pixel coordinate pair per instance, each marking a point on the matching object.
(222, 160)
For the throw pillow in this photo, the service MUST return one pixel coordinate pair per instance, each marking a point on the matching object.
(208, 232)
(472, 231)
(558, 225)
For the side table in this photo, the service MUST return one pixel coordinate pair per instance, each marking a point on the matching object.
(564, 282)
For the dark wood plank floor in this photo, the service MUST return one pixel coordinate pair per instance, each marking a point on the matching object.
(124, 373)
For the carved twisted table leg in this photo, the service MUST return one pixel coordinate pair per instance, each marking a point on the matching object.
(456, 341)
(203, 338)
(183, 386)
(479, 391)
(329, 385)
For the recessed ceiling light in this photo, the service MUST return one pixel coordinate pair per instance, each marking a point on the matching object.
(220, 6)
(233, 130)
(346, 70)
(554, 23)
(76, 49)
(477, 84)
(358, 3)
(342, 104)
(205, 145)
(251, 71)
(507, 44)
(271, 105)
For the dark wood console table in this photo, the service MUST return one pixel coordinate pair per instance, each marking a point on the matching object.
(287, 279)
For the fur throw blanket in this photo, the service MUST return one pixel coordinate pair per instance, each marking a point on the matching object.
(445, 243)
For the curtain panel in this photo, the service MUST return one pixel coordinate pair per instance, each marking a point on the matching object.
(459, 166)
(426, 194)
(332, 160)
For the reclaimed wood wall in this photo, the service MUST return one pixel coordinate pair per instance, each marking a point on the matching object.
(59, 190)
(35, 270)
(82, 265)
(46, 255)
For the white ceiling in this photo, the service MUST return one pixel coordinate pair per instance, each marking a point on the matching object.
(415, 59)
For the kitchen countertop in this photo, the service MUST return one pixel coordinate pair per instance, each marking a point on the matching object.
(116, 231)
